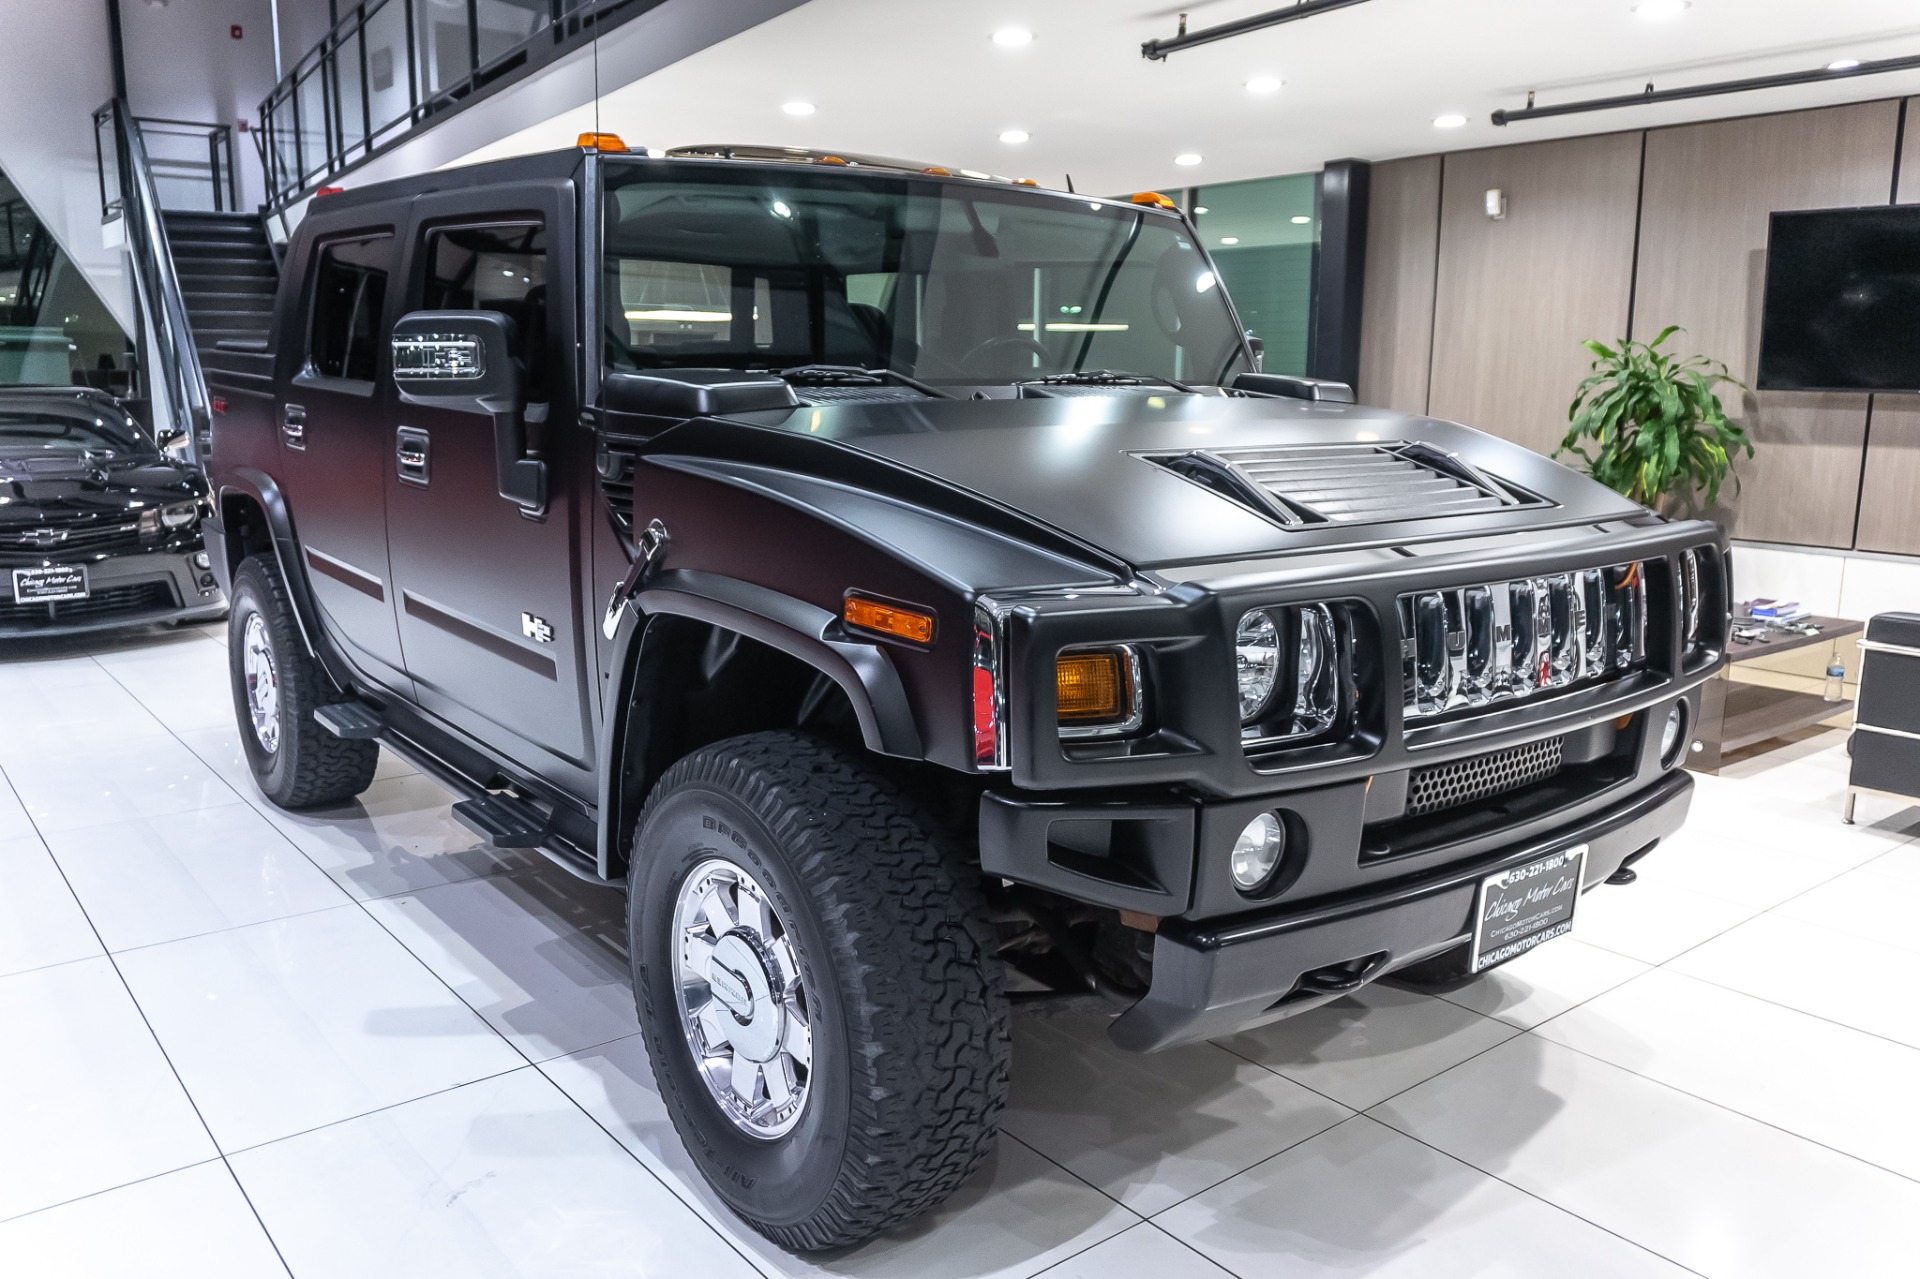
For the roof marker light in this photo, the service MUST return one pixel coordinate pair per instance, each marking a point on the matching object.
(601, 142)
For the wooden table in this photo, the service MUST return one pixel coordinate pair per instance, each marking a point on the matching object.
(1734, 714)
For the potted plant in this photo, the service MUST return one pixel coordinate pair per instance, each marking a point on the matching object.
(1647, 423)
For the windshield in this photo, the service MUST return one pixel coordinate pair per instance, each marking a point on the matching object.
(945, 282)
(53, 427)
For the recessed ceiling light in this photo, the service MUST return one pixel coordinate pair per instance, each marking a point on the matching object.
(1189, 158)
(1300, 219)
(1014, 136)
(1200, 208)
(1263, 84)
(1012, 37)
(1661, 10)
(1449, 121)
(1229, 239)
(798, 108)
(1843, 64)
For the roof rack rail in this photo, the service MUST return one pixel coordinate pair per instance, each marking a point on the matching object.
(849, 159)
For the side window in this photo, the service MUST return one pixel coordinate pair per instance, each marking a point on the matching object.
(349, 292)
(495, 268)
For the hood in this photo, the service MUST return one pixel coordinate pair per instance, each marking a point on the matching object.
(38, 486)
(1172, 479)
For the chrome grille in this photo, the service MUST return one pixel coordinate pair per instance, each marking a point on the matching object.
(1475, 645)
(1463, 781)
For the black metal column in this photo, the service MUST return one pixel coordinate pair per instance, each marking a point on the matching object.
(1333, 341)
(118, 49)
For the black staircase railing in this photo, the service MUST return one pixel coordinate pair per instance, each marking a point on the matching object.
(389, 67)
(175, 380)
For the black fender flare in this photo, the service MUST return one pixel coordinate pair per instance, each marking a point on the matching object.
(806, 632)
(260, 488)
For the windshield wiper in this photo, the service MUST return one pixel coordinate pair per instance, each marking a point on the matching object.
(858, 375)
(1108, 377)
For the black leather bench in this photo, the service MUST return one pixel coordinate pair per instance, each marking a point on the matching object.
(1886, 719)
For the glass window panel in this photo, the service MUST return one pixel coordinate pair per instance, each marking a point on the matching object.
(445, 48)
(349, 292)
(495, 268)
(1264, 237)
(312, 96)
(957, 283)
(351, 115)
(386, 38)
(505, 25)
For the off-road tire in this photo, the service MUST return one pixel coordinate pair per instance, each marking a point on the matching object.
(910, 1025)
(311, 767)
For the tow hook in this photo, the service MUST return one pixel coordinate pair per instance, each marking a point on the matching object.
(652, 546)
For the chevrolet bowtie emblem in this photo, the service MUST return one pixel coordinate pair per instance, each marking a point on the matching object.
(47, 536)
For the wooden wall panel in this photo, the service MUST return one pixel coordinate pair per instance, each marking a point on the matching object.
(1703, 234)
(1890, 491)
(1515, 297)
(1909, 192)
(1396, 313)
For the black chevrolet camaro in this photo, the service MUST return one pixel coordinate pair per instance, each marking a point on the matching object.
(98, 526)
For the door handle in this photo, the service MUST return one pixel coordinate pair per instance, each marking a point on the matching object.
(293, 425)
(411, 453)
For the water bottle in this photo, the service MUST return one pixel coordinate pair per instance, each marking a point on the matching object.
(1836, 681)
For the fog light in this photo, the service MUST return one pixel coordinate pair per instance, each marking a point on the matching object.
(201, 560)
(1672, 733)
(1257, 852)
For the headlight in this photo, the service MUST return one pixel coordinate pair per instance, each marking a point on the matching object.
(1257, 659)
(180, 514)
(1296, 698)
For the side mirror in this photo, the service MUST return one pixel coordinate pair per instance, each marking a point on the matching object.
(462, 361)
(459, 360)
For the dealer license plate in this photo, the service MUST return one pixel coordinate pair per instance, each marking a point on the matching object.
(1526, 906)
(50, 585)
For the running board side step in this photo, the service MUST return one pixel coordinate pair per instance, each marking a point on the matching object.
(505, 821)
(355, 721)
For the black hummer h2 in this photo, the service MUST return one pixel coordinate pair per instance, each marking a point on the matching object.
(905, 583)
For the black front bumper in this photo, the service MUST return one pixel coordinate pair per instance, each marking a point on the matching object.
(1214, 978)
(123, 590)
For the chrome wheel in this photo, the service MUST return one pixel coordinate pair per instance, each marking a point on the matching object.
(263, 684)
(742, 1004)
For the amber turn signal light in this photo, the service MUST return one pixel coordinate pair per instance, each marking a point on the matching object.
(601, 142)
(1154, 198)
(1093, 687)
(897, 620)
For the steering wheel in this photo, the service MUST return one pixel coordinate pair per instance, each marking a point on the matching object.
(1007, 342)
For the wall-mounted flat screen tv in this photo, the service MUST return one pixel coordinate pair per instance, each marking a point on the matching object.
(1842, 306)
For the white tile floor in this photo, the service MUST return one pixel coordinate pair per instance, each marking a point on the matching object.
(241, 1042)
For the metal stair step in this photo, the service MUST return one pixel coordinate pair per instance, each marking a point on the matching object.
(507, 821)
(353, 720)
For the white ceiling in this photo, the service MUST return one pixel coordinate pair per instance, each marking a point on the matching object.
(924, 79)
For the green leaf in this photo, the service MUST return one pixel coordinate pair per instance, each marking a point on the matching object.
(1647, 421)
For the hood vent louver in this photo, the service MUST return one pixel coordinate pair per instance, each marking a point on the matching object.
(1348, 483)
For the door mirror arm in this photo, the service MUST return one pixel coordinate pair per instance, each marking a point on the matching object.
(522, 479)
